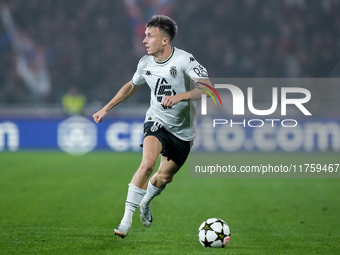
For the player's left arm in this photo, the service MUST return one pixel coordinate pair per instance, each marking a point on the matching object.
(195, 94)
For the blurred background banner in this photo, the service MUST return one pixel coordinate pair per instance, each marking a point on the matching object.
(78, 135)
(75, 135)
(60, 59)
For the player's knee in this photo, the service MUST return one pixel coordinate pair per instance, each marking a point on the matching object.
(147, 166)
(164, 179)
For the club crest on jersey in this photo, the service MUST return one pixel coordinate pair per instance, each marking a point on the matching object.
(173, 71)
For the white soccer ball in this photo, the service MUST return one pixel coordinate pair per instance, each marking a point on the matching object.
(214, 233)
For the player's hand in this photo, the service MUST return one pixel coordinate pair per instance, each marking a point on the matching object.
(98, 116)
(170, 101)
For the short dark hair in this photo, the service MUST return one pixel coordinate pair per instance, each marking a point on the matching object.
(164, 23)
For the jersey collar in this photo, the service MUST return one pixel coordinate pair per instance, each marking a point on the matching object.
(165, 61)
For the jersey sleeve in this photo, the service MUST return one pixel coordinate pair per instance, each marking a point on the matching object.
(138, 78)
(195, 70)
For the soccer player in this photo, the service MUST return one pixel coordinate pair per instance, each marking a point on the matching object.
(170, 121)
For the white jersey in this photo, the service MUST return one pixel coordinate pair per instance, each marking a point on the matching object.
(170, 77)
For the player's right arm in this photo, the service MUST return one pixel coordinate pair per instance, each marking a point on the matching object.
(124, 93)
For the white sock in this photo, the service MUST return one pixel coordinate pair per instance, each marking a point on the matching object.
(133, 199)
(151, 192)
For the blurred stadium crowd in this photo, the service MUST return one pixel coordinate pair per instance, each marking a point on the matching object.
(88, 44)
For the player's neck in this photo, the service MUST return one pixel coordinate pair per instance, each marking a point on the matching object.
(165, 54)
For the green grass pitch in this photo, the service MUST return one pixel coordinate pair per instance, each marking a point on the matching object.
(53, 203)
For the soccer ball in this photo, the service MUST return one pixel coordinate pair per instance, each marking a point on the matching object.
(214, 232)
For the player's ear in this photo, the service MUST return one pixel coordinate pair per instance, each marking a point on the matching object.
(165, 40)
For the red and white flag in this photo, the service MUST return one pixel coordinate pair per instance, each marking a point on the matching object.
(30, 58)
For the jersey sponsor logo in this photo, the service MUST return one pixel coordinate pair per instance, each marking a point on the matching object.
(163, 89)
(173, 71)
(200, 71)
(148, 73)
